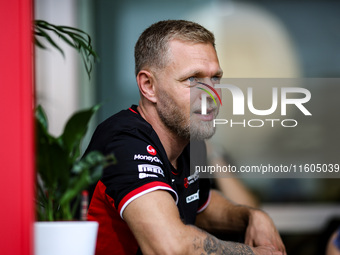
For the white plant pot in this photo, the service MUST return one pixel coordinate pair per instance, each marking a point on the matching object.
(65, 238)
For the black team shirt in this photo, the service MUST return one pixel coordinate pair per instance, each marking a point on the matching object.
(142, 167)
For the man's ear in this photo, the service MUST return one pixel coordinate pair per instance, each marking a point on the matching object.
(146, 84)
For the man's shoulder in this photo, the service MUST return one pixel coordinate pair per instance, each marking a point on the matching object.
(126, 123)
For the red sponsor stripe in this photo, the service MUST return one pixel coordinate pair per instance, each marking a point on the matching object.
(143, 190)
(133, 110)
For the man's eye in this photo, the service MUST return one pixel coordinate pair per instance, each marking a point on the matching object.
(216, 79)
(192, 79)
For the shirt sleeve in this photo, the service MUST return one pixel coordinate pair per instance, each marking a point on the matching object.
(138, 171)
(199, 157)
(205, 194)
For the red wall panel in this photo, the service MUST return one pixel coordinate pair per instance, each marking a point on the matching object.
(16, 130)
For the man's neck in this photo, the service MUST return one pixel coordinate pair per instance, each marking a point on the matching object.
(172, 144)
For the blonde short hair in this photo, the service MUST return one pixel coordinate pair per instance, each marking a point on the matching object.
(152, 48)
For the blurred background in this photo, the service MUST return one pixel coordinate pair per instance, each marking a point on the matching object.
(254, 39)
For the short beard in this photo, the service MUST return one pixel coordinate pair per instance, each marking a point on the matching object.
(173, 117)
(201, 131)
(175, 120)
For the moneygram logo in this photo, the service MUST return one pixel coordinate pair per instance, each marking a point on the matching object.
(151, 150)
(241, 102)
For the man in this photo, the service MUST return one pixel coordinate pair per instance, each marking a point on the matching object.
(148, 203)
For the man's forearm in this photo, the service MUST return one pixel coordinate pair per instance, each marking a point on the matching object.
(223, 216)
(205, 243)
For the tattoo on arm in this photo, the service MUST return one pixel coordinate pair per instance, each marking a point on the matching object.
(212, 245)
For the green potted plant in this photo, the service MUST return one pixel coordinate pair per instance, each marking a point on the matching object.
(62, 174)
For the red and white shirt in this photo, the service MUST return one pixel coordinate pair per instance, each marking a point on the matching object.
(142, 166)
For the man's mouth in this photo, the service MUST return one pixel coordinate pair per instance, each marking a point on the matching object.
(209, 116)
(209, 111)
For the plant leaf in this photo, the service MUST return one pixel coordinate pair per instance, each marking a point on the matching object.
(76, 38)
(49, 39)
(75, 129)
(51, 156)
(86, 171)
(41, 117)
(77, 184)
